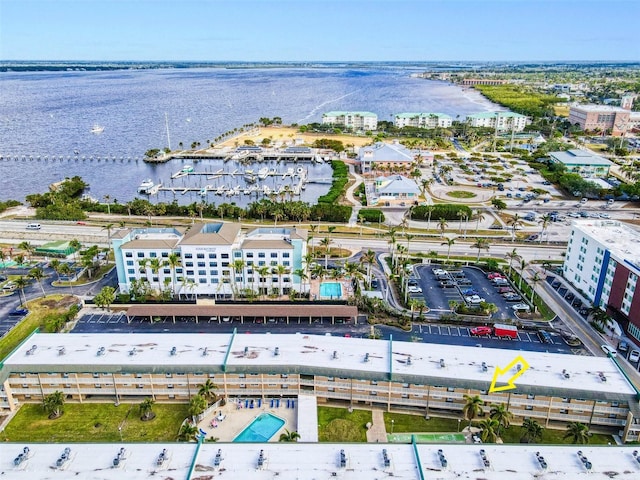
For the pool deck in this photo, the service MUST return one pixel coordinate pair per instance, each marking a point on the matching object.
(236, 419)
(347, 289)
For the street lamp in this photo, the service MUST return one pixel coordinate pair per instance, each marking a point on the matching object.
(459, 420)
(392, 422)
(120, 432)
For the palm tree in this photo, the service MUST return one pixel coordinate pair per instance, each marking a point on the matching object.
(53, 404)
(263, 271)
(512, 255)
(207, 390)
(502, 415)
(280, 271)
(108, 227)
(55, 264)
(27, 247)
(535, 279)
(515, 222)
(489, 431)
(106, 200)
(302, 275)
(38, 275)
(442, 225)
(448, 243)
(523, 265)
(479, 216)
(481, 244)
(197, 405)
(531, 431)
(238, 267)
(288, 436)
(429, 209)
(472, 408)
(187, 432)
(461, 214)
(155, 265)
(578, 433)
(146, 409)
(22, 282)
(76, 245)
(173, 261)
(369, 257)
(326, 243)
(545, 221)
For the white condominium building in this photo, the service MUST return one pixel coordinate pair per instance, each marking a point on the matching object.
(422, 120)
(353, 120)
(213, 259)
(503, 121)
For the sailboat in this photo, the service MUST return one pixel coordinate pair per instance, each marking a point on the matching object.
(97, 129)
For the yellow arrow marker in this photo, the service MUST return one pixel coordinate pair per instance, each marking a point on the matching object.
(510, 381)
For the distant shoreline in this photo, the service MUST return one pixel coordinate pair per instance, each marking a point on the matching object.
(97, 65)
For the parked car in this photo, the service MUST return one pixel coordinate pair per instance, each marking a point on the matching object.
(521, 307)
(18, 312)
(502, 290)
(512, 297)
(470, 291)
(438, 271)
(532, 238)
(414, 289)
(493, 275)
(609, 350)
(464, 282)
(474, 299)
(623, 346)
(544, 336)
(375, 283)
(500, 281)
(634, 356)
(447, 284)
(481, 331)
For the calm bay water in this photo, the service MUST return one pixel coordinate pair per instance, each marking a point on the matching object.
(51, 114)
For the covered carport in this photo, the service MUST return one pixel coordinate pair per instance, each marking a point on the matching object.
(290, 313)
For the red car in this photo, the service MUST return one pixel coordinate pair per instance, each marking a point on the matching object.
(493, 275)
(480, 331)
(505, 290)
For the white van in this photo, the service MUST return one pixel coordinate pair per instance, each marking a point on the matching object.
(34, 226)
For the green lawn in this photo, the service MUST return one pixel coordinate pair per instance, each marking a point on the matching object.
(551, 437)
(95, 422)
(338, 425)
(403, 423)
(460, 194)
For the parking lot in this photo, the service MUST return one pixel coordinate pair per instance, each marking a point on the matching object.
(441, 334)
(474, 282)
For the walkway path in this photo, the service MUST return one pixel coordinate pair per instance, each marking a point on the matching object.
(351, 198)
(378, 432)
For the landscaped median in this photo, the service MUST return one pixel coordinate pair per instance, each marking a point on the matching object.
(96, 422)
(48, 314)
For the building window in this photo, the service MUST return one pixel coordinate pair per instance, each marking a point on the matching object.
(129, 263)
(140, 254)
(200, 255)
(237, 254)
(213, 264)
(128, 254)
(249, 255)
(188, 264)
(224, 255)
(188, 255)
(261, 255)
(285, 255)
(201, 264)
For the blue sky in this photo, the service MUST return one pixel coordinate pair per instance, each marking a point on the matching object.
(298, 30)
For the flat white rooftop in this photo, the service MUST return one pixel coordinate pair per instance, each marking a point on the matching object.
(318, 461)
(622, 240)
(599, 108)
(336, 356)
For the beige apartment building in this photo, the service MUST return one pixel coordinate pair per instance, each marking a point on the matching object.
(429, 379)
(600, 118)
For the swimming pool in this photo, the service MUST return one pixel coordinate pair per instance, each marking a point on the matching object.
(330, 290)
(261, 429)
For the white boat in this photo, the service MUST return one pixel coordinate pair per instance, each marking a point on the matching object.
(249, 178)
(220, 190)
(266, 189)
(203, 192)
(187, 169)
(300, 171)
(97, 129)
(263, 173)
(145, 186)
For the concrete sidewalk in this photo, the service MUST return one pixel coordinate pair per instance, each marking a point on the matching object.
(378, 432)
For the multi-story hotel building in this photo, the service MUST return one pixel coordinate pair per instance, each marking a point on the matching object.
(354, 120)
(502, 121)
(211, 259)
(603, 262)
(422, 120)
(429, 379)
(600, 117)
